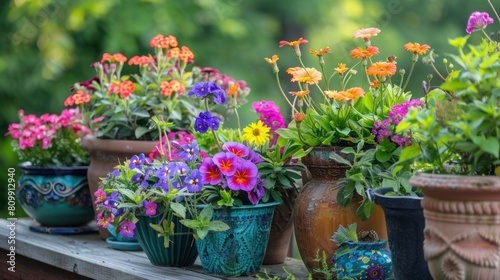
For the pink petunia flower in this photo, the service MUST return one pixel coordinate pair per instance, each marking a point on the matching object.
(245, 176)
(226, 161)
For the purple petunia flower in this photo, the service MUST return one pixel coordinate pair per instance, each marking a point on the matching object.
(236, 148)
(258, 192)
(245, 176)
(210, 172)
(478, 21)
(226, 162)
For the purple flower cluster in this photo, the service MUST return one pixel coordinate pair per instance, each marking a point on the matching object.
(478, 21)
(144, 182)
(385, 129)
(226, 82)
(206, 120)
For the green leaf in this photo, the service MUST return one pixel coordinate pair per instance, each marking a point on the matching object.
(140, 131)
(179, 209)
(218, 226)
(207, 212)
(339, 159)
(345, 194)
(202, 233)
(157, 228)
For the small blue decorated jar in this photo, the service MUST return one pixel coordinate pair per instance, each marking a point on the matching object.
(362, 260)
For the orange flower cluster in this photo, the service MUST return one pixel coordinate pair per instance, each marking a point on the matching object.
(360, 53)
(183, 53)
(117, 57)
(304, 75)
(78, 98)
(382, 69)
(346, 95)
(163, 42)
(169, 87)
(416, 48)
(142, 60)
(124, 89)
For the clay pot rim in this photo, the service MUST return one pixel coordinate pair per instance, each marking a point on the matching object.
(116, 145)
(451, 181)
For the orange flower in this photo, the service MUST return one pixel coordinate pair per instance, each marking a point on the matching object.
(165, 89)
(186, 54)
(117, 57)
(124, 89)
(366, 33)
(70, 101)
(163, 42)
(320, 52)
(382, 69)
(81, 97)
(140, 60)
(416, 48)
(233, 89)
(341, 68)
(272, 60)
(360, 53)
(298, 117)
(347, 95)
(307, 75)
(374, 84)
(300, 94)
(169, 87)
(175, 52)
(292, 44)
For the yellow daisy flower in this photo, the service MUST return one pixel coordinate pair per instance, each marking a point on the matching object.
(257, 133)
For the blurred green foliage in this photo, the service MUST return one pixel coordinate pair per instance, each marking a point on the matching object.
(48, 45)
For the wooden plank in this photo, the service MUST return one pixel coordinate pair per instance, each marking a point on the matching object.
(90, 256)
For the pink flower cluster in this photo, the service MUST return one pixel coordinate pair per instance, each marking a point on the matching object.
(385, 129)
(270, 115)
(33, 131)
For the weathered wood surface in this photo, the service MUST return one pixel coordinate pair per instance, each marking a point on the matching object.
(90, 256)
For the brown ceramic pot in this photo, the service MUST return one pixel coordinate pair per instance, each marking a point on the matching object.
(105, 155)
(462, 225)
(317, 213)
(281, 229)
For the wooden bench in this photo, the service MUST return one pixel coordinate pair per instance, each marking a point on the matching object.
(84, 256)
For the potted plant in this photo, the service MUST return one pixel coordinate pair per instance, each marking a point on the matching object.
(53, 189)
(243, 176)
(360, 254)
(118, 103)
(344, 119)
(457, 146)
(142, 196)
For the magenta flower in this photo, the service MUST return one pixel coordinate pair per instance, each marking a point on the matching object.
(210, 172)
(150, 208)
(236, 148)
(478, 21)
(127, 229)
(226, 162)
(100, 196)
(245, 176)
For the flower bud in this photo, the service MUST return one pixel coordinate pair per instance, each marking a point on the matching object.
(402, 72)
(445, 61)
(451, 66)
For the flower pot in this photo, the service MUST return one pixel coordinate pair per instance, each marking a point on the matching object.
(55, 196)
(105, 155)
(362, 260)
(405, 228)
(281, 229)
(239, 250)
(317, 213)
(462, 225)
(181, 251)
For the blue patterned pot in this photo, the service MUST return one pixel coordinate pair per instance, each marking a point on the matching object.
(182, 250)
(362, 260)
(55, 196)
(241, 249)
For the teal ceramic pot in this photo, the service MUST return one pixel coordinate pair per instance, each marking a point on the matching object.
(241, 249)
(55, 196)
(181, 251)
(362, 260)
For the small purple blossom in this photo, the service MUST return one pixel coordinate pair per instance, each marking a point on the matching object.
(258, 192)
(204, 121)
(150, 208)
(207, 89)
(193, 181)
(189, 152)
(127, 229)
(478, 21)
(136, 162)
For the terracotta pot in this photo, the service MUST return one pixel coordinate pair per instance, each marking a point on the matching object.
(462, 225)
(317, 213)
(281, 229)
(105, 155)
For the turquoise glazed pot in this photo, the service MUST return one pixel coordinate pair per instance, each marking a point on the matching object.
(181, 251)
(362, 260)
(55, 196)
(241, 249)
